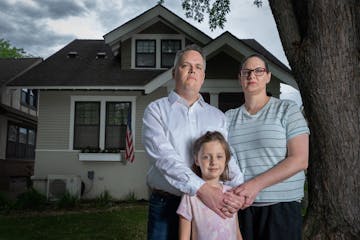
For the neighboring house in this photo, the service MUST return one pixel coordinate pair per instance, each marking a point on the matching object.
(88, 88)
(18, 120)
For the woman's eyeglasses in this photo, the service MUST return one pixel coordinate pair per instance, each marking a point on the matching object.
(257, 71)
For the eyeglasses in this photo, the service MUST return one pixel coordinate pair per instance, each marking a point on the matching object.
(257, 71)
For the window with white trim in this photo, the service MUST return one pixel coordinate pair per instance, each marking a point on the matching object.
(155, 50)
(169, 48)
(99, 122)
(146, 53)
(116, 124)
(87, 125)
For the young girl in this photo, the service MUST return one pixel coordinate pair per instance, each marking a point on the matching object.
(198, 222)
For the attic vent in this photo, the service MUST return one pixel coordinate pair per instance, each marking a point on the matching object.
(101, 55)
(72, 54)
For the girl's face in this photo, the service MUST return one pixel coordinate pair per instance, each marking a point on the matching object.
(211, 159)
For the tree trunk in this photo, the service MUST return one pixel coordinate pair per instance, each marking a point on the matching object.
(321, 39)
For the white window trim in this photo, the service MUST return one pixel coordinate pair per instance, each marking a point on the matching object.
(102, 100)
(157, 38)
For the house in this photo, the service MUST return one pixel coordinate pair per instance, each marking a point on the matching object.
(89, 88)
(18, 120)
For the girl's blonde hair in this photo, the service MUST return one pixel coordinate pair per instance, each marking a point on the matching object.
(210, 137)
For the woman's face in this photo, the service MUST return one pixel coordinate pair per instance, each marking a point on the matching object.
(253, 76)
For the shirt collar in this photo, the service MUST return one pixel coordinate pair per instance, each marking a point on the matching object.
(174, 97)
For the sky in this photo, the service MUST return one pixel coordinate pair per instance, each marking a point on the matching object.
(42, 27)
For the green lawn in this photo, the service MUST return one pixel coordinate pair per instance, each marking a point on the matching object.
(127, 221)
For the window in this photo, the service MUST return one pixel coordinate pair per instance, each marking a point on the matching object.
(87, 125)
(116, 123)
(145, 53)
(168, 52)
(29, 97)
(155, 50)
(30, 150)
(99, 123)
(20, 142)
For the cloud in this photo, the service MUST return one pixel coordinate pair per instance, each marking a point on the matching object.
(25, 23)
(42, 27)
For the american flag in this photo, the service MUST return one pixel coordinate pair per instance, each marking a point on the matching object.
(129, 150)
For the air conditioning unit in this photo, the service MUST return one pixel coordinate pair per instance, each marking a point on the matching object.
(58, 185)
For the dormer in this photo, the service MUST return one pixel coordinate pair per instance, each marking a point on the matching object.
(151, 40)
(156, 46)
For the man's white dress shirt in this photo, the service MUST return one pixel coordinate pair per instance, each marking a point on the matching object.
(170, 127)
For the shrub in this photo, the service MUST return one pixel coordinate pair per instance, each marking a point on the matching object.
(31, 199)
(103, 200)
(131, 197)
(67, 201)
(5, 203)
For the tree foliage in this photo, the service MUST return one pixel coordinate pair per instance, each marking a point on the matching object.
(8, 51)
(216, 11)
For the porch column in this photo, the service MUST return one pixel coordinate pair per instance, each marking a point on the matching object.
(214, 99)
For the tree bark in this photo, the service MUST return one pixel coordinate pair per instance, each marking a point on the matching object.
(321, 39)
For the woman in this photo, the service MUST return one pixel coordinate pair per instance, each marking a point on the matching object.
(270, 138)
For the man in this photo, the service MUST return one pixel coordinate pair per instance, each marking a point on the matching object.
(170, 125)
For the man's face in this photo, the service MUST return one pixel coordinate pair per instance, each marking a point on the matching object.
(189, 74)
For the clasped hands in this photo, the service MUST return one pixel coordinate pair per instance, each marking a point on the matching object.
(228, 203)
(239, 197)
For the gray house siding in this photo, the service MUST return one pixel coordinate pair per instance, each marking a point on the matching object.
(54, 157)
(129, 177)
(126, 54)
(54, 116)
(53, 120)
(159, 28)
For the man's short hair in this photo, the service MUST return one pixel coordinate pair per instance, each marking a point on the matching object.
(192, 47)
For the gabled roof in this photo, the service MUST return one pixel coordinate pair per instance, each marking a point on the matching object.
(91, 64)
(244, 47)
(251, 46)
(12, 67)
(83, 64)
(151, 16)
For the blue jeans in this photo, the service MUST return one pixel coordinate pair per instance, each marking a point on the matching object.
(163, 221)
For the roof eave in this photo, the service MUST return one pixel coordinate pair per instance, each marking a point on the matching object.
(127, 88)
(157, 12)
